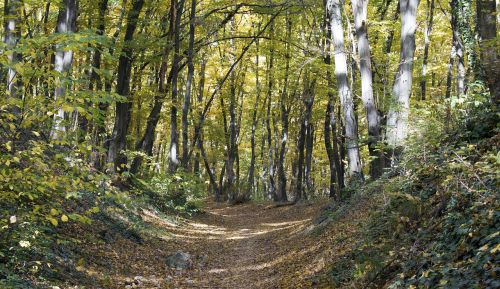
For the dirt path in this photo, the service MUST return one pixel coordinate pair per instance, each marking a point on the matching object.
(244, 246)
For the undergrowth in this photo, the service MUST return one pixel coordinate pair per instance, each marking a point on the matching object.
(49, 194)
(437, 222)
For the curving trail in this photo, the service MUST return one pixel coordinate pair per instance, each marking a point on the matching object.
(244, 246)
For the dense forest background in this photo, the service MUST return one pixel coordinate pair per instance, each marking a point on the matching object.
(135, 103)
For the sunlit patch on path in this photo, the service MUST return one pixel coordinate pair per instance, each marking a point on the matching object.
(245, 246)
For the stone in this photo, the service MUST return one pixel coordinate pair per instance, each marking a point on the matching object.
(180, 260)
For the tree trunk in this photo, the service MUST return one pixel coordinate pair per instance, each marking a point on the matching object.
(251, 170)
(282, 195)
(187, 97)
(201, 90)
(145, 144)
(232, 145)
(99, 127)
(12, 37)
(427, 41)
(270, 87)
(489, 45)
(309, 151)
(330, 133)
(458, 53)
(462, 10)
(346, 98)
(122, 117)
(174, 135)
(397, 120)
(360, 8)
(66, 23)
(299, 190)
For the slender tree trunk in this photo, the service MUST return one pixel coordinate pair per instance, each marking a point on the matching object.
(251, 170)
(66, 23)
(309, 149)
(102, 137)
(462, 10)
(427, 41)
(346, 98)
(282, 195)
(270, 87)
(360, 8)
(187, 98)
(299, 190)
(201, 90)
(12, 37)
(397, 120)
(330, 133)
(449, 76)
(458, 53)
(211, 174)
(145, 144)
(122, 117)
(489, 44)
(174, 134)
(232, 145)
(99, 127)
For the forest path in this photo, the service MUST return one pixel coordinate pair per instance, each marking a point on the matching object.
(243, 246)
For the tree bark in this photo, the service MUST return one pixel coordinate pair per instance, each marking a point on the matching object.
(427, 41)
(270, 87)
(201, 90)
(346, 98)
(66, 23)
(282, 180)
(145, 144)
(174, 135)
(397, 119)
(360, 10)
(462, 10)
(251, 170)
(458, 53)
(122, 117)
(99, 127)
(489, 45)
(12, 37)
(187, 97)
(232, 144)
(299, 189)
(330, 130)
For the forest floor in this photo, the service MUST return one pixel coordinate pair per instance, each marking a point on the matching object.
(252, 245)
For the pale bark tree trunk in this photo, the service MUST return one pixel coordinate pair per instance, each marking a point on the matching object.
(12, 37)
(346, 98)
(360, 10)
(458, 54)
(122, 118)
(427, 41)
(187, 97)
(397, 119)
(330, 133)
(66, 23)
(174, 134)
